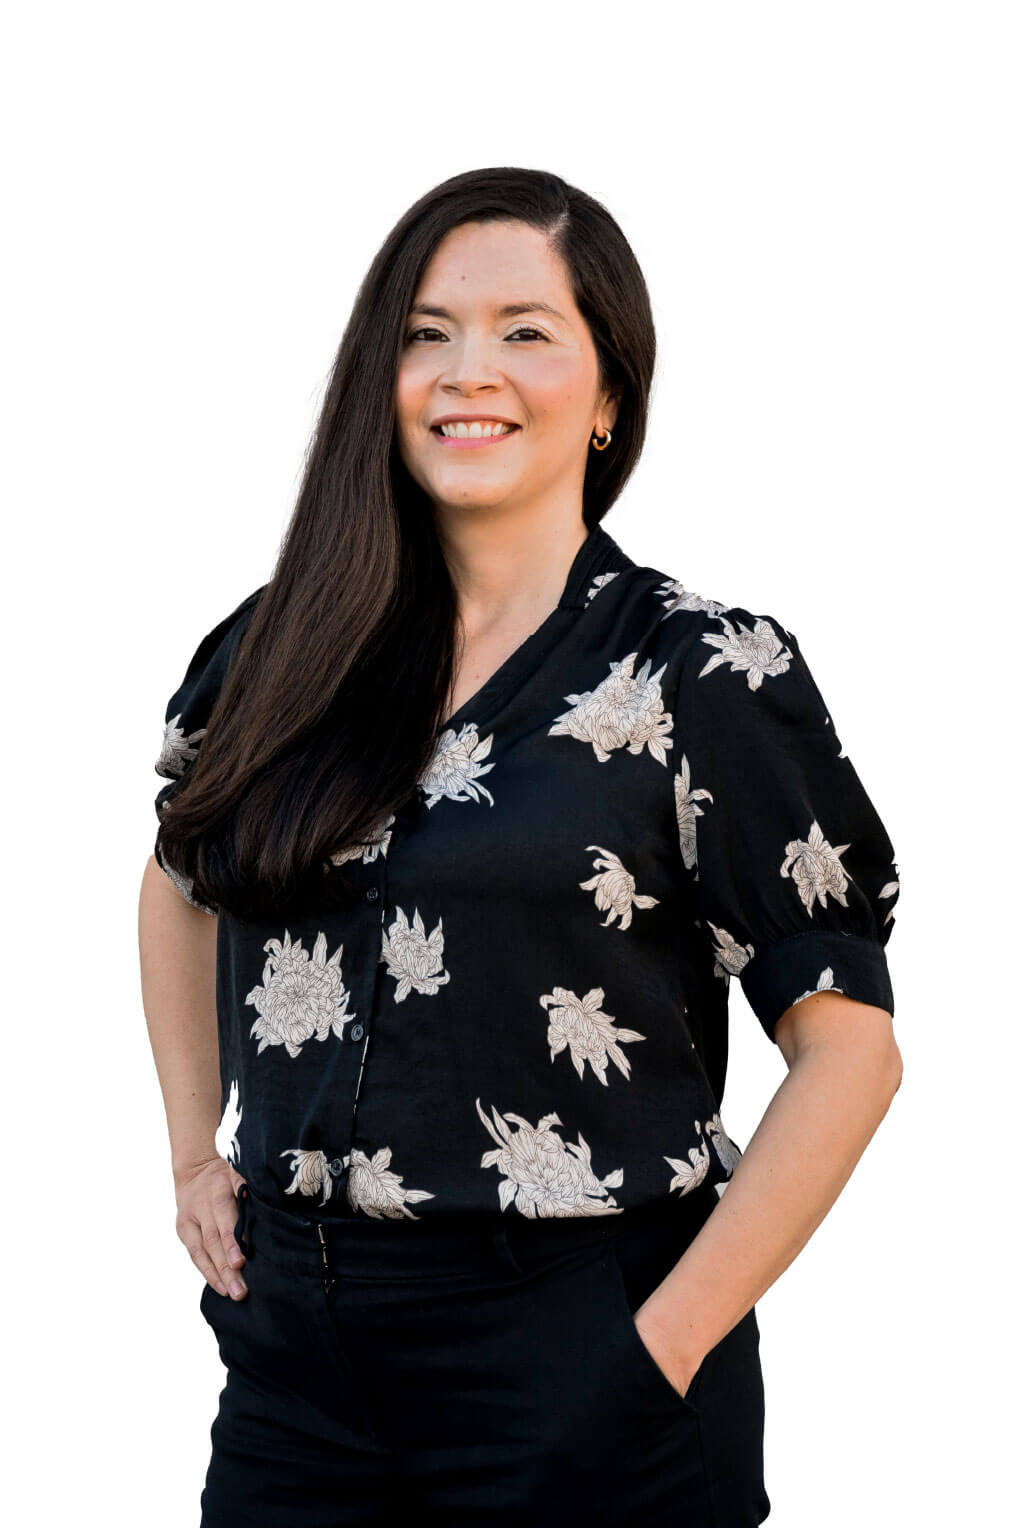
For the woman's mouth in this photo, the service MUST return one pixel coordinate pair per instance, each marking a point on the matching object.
(467, 442)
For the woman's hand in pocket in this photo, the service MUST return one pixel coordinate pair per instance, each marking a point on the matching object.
(207, 1213)
(678, 1372)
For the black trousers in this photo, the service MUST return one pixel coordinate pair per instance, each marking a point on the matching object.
(474, 1377)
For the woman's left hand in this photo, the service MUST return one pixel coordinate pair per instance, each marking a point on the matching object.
(679, 1373)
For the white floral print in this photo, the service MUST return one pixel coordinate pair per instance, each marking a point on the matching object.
(728, 1153)
(312, 1171)
(177, 750)
(758, 653)
(456, 767)
(687, 811)
(598, 583)
(367, 852)
(816, 868)
(302, 996)
(890, 889)
(675, 596)
(825, 983)
(579, 1026)
(413, 958)
(226, 1141)
(624, 711)
(689, 1175)
(544, 1177)
(729, 955)
(372, 1188)
(615, 888)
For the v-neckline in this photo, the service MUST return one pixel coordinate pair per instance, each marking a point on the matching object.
(592, 554)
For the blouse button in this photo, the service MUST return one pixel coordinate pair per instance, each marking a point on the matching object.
(357, 1032)
(335, 1167)
(372, 893)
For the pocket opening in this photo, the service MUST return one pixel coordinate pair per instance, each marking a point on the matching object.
(687, 1401)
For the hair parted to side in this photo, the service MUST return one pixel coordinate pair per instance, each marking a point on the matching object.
(330, 709)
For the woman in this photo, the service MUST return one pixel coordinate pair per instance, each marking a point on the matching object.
(489, 815)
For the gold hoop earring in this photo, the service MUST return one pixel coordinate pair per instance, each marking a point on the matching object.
(606, 443)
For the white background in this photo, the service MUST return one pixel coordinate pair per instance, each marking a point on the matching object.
(828, 204)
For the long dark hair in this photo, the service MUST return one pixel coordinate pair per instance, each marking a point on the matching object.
(331, 707)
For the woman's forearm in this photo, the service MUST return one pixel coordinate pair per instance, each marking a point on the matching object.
(807, 1144)
(177, 955)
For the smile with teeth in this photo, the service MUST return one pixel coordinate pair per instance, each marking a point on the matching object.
(477, 429)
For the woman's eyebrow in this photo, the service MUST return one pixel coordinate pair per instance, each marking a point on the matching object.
(508, 310)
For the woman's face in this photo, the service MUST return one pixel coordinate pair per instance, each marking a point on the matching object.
(463, 355)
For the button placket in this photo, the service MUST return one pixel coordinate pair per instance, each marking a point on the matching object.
(360, 1074)
(327, 1276)
(361, 1029)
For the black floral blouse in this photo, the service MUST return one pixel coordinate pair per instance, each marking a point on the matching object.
(528, 1012)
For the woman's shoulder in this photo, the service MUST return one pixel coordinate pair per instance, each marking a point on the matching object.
(217, 646)
(190, 705)
(698, 623)
(726, 658)
(230, 628)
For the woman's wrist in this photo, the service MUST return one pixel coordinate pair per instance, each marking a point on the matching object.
(679, 1346)
(189, 1158)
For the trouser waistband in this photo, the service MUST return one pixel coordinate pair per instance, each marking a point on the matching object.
(404, 1247)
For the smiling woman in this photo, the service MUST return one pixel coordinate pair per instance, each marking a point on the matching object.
(494, 420)
(489, 815)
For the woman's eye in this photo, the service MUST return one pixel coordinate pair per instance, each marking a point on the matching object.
(524, 329)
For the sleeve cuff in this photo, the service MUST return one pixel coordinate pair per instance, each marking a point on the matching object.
(815, 961)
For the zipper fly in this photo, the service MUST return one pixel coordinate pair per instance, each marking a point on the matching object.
(327, 1278)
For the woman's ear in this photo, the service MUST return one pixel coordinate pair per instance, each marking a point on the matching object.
(612, 403)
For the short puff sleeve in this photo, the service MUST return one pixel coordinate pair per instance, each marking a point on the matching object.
(188, 711)
(796, 877)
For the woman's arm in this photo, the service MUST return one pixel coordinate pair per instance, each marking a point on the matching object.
(844, 1069)
(177, 957)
